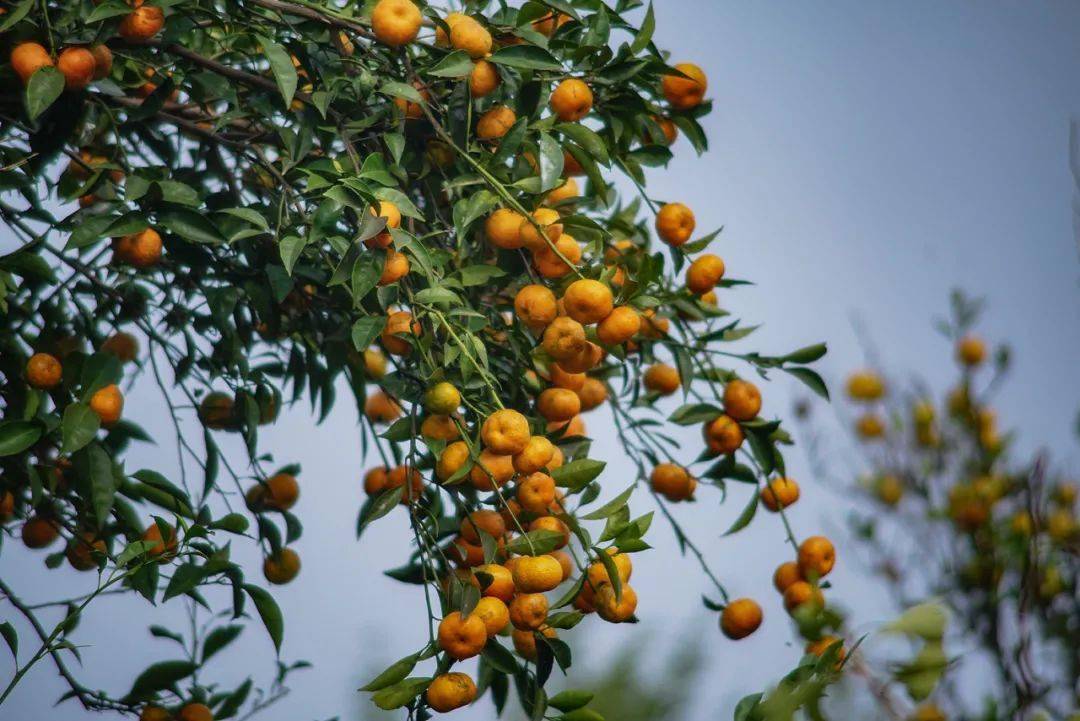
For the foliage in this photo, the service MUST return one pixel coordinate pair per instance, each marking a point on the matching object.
(294, 190)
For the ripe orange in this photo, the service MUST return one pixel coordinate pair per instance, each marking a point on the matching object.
(462, 637)
(536, 307)
(7, 506)
(392, 215)
(503, 229)
(395, 22)
(374, 363)
(108, 404)
(216, 410)
(823, 644)
(675, 224)
(801, 592)
(399, 322)
(549, 221)
(571, 100)
(865, 386)
(612, 610)
(525, 641)
(39, 532)
(565, 562)
(281, 491)
(870, 426)
(495, 123)
(742, 400)
(381, 408)
(494, 613)
(452, 459)
(671, 132)
(282, 567)
(597, 572)
(592, 394)
(622, 324)
(450, 691)
(552, 264)
(501, 585)
(103, 60)
(551, 523)
(485, 520)
(28, 58)
(142, 23)
(780, 493)
(816, 556)
(141, 250)
(536, 574)
(570, 381)
(566, 191)
(484, 79)
(551, 22)
(153, 713)
(564, 338)
(397, 478)
(536, 455)
(654, 326)
(122, 345)
(469, 35)
(571, 428)
(395, 267)
(442, 398)
(528, 611)
(673, 482)
(82, 549)
(786, 574)
(687, 92)
(704, 273)
(78, 66)
(505, 432)
(440, 428)
(160, 546)
(740, 618)
(491, 470)
(558, 404)
(465, 554)
(536, 492)
(585, 360)
(43, 371)
(588, 301)
(195, 712)
(662, 378)
(723, 435)
(971, 351)
(375, 480)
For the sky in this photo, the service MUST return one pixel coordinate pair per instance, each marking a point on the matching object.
(866, 158)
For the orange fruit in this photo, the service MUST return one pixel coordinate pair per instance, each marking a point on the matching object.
(528, 611)
(442, 38)
(536, 574)
(108, 404)
(375, 480)
(281, 491)
(592, 394)
(564, 338)
(742, 400)
(440, 427)
(43, 371)
(495, 123)
(505, 432)
(397, 477)
(675, 224)
(654, 326)
(565, 562)
(615, 610)
(395, 22)
(801, 592)
(549, 221)
(77, 66)
(195, 712)
(442, 398)
(865, 386)
(573, 427)
(687, 92)
(469, 35)
(662, 378)
(671, 132)
(816, 555)
(566, 191)
(622, 324)
(537, 453)
(704, 273)
(39, 532)
(28, 58)
(597, 573)
(780, 493)
(551, 22)
(536, 307)
(381, 408)
(503, 229)
(142, 23)
(160, 546)
(740, 618)
(122, 345)
(870, 426)
(374, 363)
(399, 322)
(525, 641)
(450, 691)
(153, 713)
(786, 574)
(551, 523)
(484, 79)
(724, 435)
(395, 267)
(462, 637)
(488, 521)
(570, 381)
(970, 351)
(466, 554)
(392, 215)
(823, 644)
(103, 60)
(141, 250)
(452, 459)
(571, 100)
(491, 470)
(82, 549)
(588, 301)
(536, 492)
(673, 482)
(281, 567)
(501, 585)
(7, 506)
(216, 410)
(494, 613)
(558, 261)
(558, 404)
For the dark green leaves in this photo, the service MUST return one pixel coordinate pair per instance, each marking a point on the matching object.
(268, 612)
(159, 677)
(394, 673)
(282, 67)
(526, 57)
(383, 504)
(457, 64)
(694, 413)
(745, 517)
(78, 427)
(44, 88)
(366, 330)
(575, 475)
(400, 693)
(811, 379)
(535, 543)
(17, 436)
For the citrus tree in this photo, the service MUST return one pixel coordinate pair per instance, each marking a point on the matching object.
(249, 203)
(952, 510)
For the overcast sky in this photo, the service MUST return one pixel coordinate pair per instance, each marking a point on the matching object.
(866, 159)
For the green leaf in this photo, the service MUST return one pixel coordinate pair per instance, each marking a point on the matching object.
(587, 138)
(644, 35)
(575, 475)
(811, 379)
(611, 506)
(290, 247)
(190, 225)
(570, 700)
(383, 504)
(160, 676)
(17, 14)
(366, 330)
(102, 483)
(480, 274)
(393, 673)
(110, 9)
(185, 578)
(44, 88)
(526, 57)
(17, 436)
(745, 517)
(218, 639)
(809, 354)
(694, 413)
(268, 612)
(542, 541)
(11, 636)
(551, 163)
(499, 657)
(400, 693)
(282, 67)
(401, 90)
(926, 620)
(457, 64)
(78, 427)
